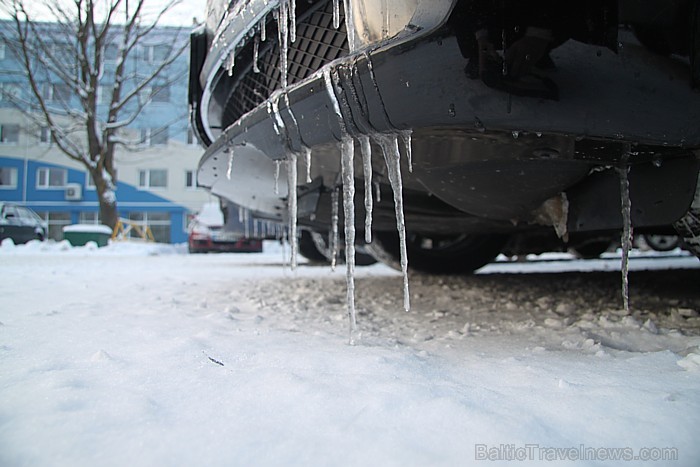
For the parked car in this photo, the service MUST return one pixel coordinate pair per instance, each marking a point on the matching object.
(567, 126)
(207, 233)
(20, 223)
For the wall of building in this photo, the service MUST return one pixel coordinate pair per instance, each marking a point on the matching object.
(155, 175)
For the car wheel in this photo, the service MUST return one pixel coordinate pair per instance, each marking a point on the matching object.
(653, 39)
(314, 247)
(193, 250)
(308, 248)
(688, 226)
(695, 46)
(662, 242)
(457, 254)
(591, 248)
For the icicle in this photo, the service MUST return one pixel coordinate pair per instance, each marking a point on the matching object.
(626, 223)
(366, 149)
(334, 100)
(277, 177)
(292, 204)
(241, 217)
(504, 69)
(283, 40)
(231, 61)
(390, 148)
(347, 149)
(273, 111)
(306, 151)
(406, 138)
(263, 28)
(336, 14)
(256, 53)
(349, 27)
(293, 21)
(230, 163)
(246, 223)
(291, 114)
(284, 247)
(378, 192)
(333, 240)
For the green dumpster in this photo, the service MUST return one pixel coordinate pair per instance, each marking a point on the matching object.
(81, 234)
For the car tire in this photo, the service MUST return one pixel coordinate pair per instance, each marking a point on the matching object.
(314, 247)
(591, 248)
(688, 226)
(662, 242)
(653, 39)
(458, 254)
(695, 46)
(309, 250)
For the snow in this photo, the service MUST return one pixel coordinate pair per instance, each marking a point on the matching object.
(88, 228)
(210, 214)
(139, 354)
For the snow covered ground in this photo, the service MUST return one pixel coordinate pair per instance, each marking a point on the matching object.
(143, 355)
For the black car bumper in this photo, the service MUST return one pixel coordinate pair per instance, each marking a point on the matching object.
(482, 158)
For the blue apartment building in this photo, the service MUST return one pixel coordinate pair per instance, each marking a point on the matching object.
(156, 182)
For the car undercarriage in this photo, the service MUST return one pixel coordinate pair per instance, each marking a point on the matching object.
(374, 116)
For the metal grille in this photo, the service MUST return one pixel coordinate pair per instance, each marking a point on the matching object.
(317, 43)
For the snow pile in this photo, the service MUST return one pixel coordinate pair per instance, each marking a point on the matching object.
(211, 215)
(131, 248)
(88, 228)
(233, 360)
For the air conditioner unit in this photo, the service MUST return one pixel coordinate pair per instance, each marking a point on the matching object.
(74, 192)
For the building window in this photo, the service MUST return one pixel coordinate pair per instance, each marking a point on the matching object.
(191, 139)
(153, 178)
(45, 135)
(111, 52)
(9, 133)
(160, 93)
(9, 92)
(157, 222)
(103, 94)
(56, 221)
(154, 136)
(159, 137)
(57, 92)
(90, 182)
(8, 178)
(157, 93)
(62, 52)
(146, 136)
(51, 177)
(155, 53)
(190, 179)
(62, 92)
(89, 217)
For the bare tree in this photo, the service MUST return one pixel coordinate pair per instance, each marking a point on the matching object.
(64, 62)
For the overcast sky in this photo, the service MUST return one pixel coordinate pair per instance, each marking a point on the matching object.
(182, 14)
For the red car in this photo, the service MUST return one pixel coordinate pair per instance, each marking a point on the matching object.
(208, 233)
